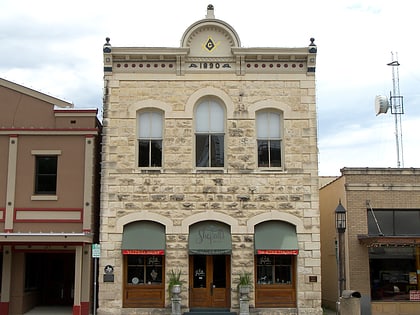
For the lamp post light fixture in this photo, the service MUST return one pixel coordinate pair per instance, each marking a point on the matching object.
(340, 218)
(340, 224)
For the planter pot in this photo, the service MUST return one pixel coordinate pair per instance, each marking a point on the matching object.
(244, 289)
(176, 289)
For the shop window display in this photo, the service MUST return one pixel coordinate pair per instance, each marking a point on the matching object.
(274, 269)
(275, 281)
(393, 272)
(144, 269)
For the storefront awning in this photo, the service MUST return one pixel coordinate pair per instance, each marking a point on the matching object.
(210, 238)
(379, 240)
(143, 237)
(276, 238)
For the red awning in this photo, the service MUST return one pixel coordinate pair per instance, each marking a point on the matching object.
(277, 252)
(142, 252)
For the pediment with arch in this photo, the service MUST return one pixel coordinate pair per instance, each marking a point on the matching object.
(210, 38)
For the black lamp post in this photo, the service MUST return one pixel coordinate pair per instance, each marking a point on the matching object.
(340, 224)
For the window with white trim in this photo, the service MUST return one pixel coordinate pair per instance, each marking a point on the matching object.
(209, 134)
(149, 137)
(46, 174)
(269, 138)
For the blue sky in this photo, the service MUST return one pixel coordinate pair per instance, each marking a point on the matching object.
(56, 47)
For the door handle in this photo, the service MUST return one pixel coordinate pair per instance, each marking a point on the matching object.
(211, 288)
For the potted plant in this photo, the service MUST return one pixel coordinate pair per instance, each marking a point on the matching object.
(174, 285)
(244, 284)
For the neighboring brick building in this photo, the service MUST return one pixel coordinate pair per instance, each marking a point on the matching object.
(210, 167)
(49, 201)
(382, 239)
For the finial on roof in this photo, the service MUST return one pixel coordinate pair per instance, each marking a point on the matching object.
(312, 46)
(107, 46)
(210, 12)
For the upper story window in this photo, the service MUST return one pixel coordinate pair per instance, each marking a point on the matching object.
(269, 139)
(209, 134)
(46, 174)
(396, 222)
(149, 135)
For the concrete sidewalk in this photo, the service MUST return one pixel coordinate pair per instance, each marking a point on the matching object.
(329, 312)
(51, 310)
(47, 310)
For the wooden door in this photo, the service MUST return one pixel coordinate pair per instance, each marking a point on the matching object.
(210, 281)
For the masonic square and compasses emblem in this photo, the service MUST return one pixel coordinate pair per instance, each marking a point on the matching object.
(210, 45)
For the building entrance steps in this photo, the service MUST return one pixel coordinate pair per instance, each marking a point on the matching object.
(209, 311)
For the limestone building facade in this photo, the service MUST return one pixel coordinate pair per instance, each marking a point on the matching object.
(209, 168)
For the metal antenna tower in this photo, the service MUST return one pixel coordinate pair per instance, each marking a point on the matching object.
(397, 108)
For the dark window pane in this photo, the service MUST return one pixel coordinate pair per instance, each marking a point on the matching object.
(156, 154)
(154, 275)
(135, 260)
(200, 271)
(219, 271)
(154, 260)
(283, 260)
(150, 153)
(217, 151)
(283, 274)
(265, 274)
(47, 165)
(385, 222)
(135, 275)
(407, 222)
(144, 153)
(46, 174)
(46, 184)
(263, 160)
(275, 156)
(202, 150)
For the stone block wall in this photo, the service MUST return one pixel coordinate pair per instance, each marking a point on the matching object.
(240, 192)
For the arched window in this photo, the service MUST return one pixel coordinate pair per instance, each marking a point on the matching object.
(269, 138)
(149, 136)
(209, 134)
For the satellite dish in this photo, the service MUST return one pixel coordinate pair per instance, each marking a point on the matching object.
(381, 104)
